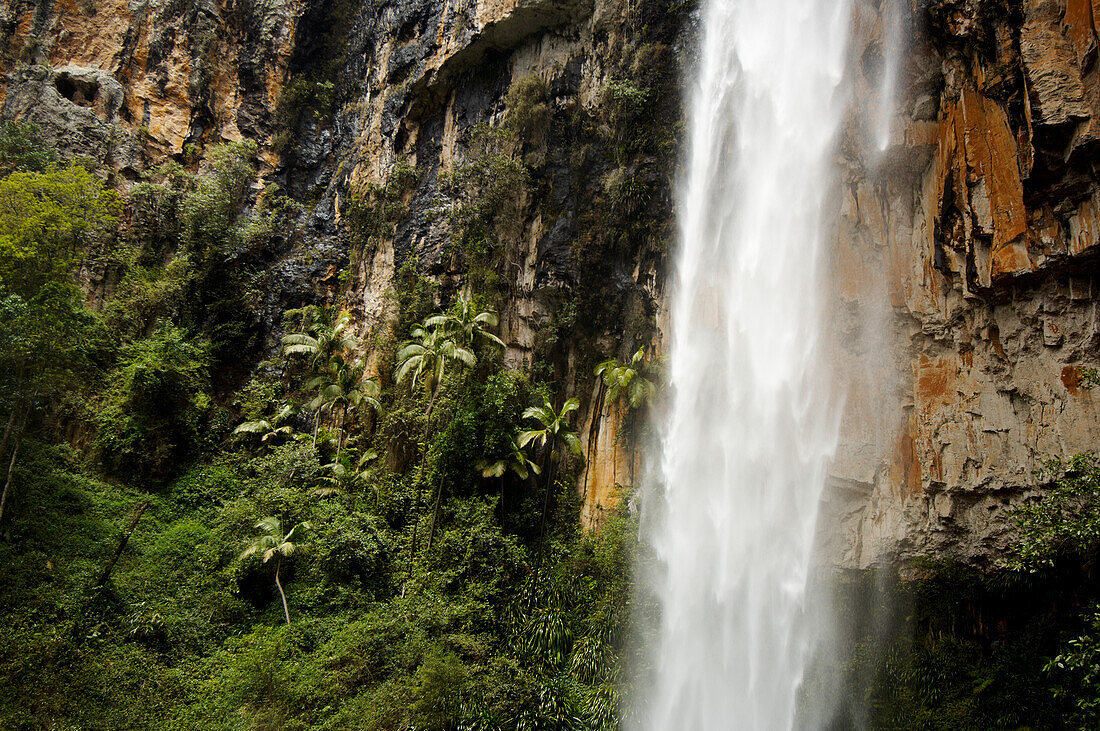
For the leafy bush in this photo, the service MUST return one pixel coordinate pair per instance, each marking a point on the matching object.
(152, 418)
(526, 110)
(47, 220)
(21, 149)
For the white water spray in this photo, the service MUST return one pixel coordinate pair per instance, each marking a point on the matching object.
(751, 429)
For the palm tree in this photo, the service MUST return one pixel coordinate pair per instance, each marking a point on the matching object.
(327, 336)
(515, 460)
(466, 325)
(344, 386)
(554, 432)
(425, 357)
(634, 382)
(278, 545)
(269, 430)
(345, 472)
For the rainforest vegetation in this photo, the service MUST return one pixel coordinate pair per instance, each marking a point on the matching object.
(199, 529)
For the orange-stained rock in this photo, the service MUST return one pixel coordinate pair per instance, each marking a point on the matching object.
(608, 454)
(1078, 20)
(935, 378)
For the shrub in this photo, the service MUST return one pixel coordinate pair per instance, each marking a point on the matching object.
(153, 414)
(21, 149)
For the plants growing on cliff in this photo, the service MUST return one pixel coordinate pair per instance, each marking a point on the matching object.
(47, 221)
(21, 149)
(345, 386)
(445, 339)
(485, 192)
(526, 111)
(635, 383)
(303, 98)
(425, 357)
(210, 210)
(153, 415)
(324, 334)
(271, 430)
(375, 211)
(467, 324)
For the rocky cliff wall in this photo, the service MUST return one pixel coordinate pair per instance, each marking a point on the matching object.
(966, 301)
(964, 297)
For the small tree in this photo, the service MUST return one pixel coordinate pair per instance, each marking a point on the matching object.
(267, 430)
(278, 545)
(466, 325)
(326, 336)
(425, 358)
(554, 431)
(515, 460)
(634, 383)
(344, 386)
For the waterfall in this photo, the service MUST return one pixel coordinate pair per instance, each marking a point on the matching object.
(751, 426)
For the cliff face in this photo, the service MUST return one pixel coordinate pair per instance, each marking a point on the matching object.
(966, 254)
(964, 303)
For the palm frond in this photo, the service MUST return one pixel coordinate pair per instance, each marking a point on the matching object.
(526, 437)
(253, 427)
(270, 524)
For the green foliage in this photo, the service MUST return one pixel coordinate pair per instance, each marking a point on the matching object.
(485, 193)
(47, 220)
(379, 208)
(526, 111)
(155, 208)
(146, 295)
(209, 211)
(48, 344)
(154, 412)
(1064, 521)
(302, 98)
(553, 429)
(1075, 672)
(415, 294)
(424, 359)
(21, 149)
(633, 381)
(324, 334)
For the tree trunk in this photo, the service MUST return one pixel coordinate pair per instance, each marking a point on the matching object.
(14, 453)
(8, 428)
(121, 546)
(316, 425)
(340, 433)
(502, 502)
(412, 543)
(545, 510)
(431, 401)
(435, 513)
(286, 612)
(14, 413)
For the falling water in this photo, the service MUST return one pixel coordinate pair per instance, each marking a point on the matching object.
(751, 428)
